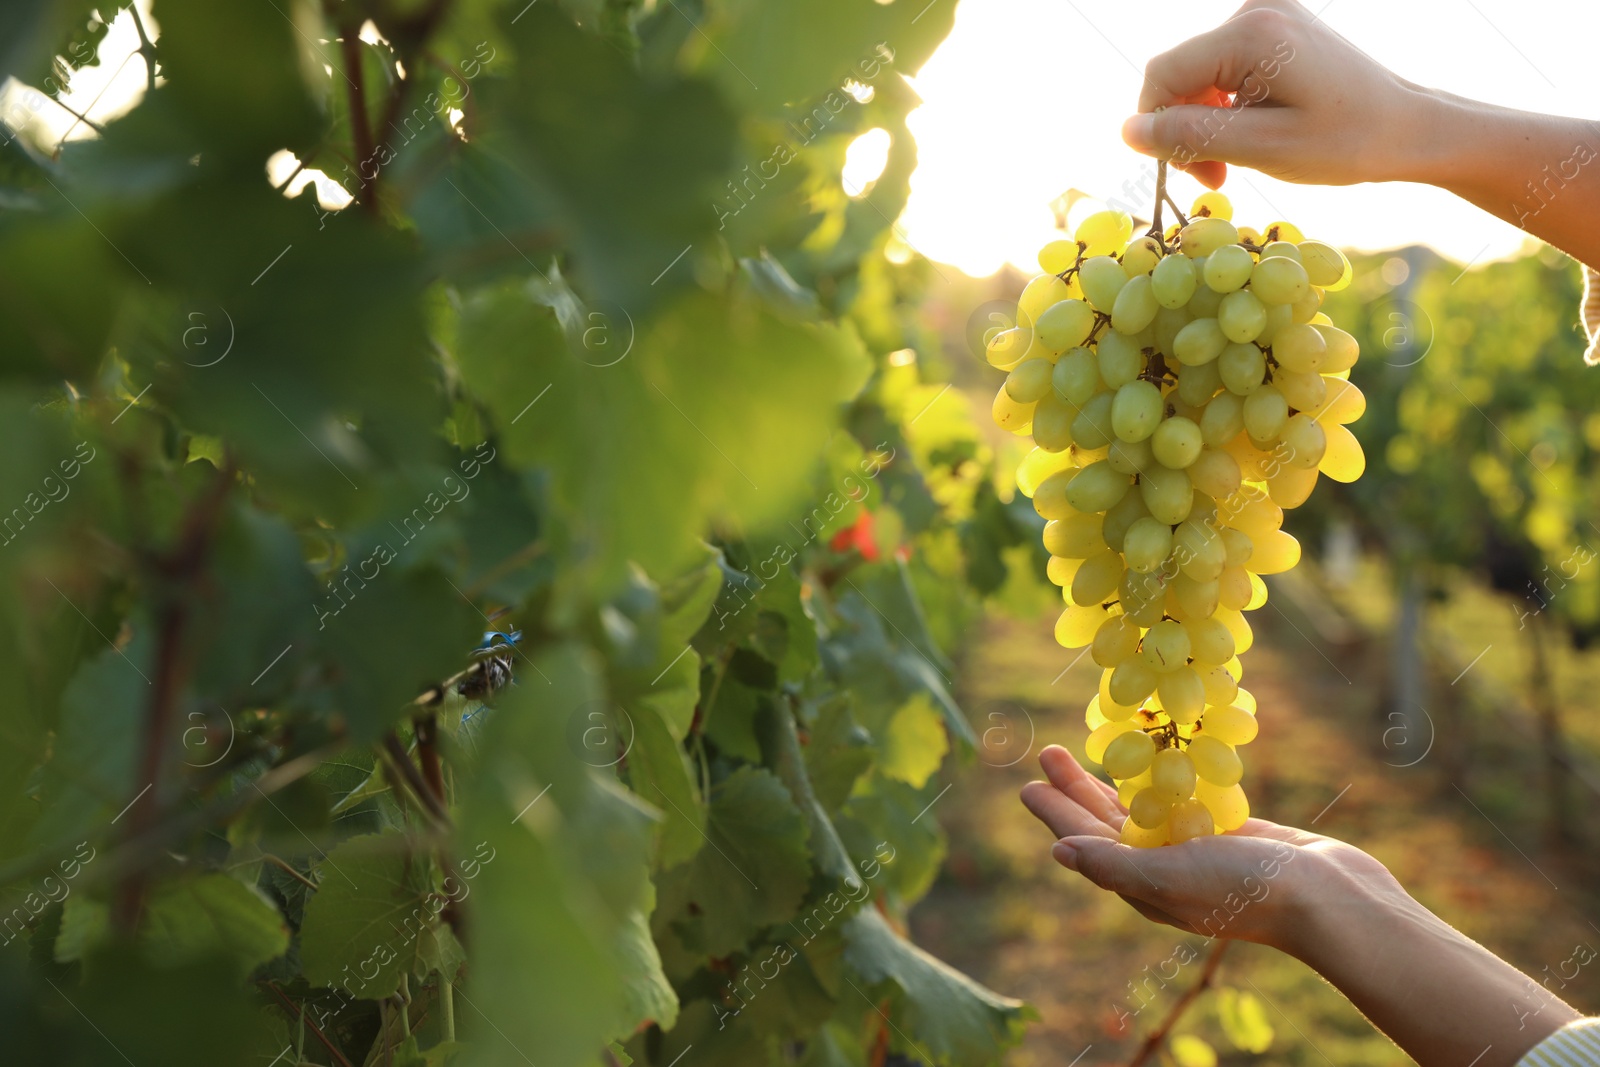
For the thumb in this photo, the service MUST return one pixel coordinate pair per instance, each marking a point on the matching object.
(1192, 133)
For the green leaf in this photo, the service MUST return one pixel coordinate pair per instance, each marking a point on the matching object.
(1191, 1051)
(915, 744)
(212, 914)
(360, 927)
(838, 750)
(755, 872)
(954, 1019)
(1244, 1020)
(647, 996)
(659, 771)
(780, 749)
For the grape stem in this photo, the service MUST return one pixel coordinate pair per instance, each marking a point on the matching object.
(1153, 1043)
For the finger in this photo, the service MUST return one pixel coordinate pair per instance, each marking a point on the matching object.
(1064, 816)
(1192, 133)
(1111, 865)
(1220, 59)
(1208, 173)
(1095, 796)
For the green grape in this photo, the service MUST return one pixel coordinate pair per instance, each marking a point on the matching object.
(1199, 342)
(1211, 203)
(1285, 249)
(1172, 774)
(1092, 428)
(1174, 281)
(1064, 324)
(1228, 724)
(1204, 236)
(1189, 819)
(1183, 694)
(1303, 442)
(1176, 442)
(1141, 257)
(1199, 551)
(1238, 545)
(1094, 488)
(1143, 599)
(1116, 641)
(1223, 419)
(1146, 545)
(1101, 278)
(1305, 309)
(1097, 578)
(1215, 473)
(1119, 359)
(1052, 423)
(1008, 347)
(1242, 317)
(1137, 410)
(1104, 232)
(1304, 392)
(1220, 688)
(1215, 761)
(1076, 376)
(1169, 323)
(1076, 626)
(1265, 412)
(1195, 599)
(1325, 265)
(1229, 807)
(1128, 754)
(1233, 587)
(1244, 367)
(1135, 307)
(1102, 736)
(1040, 293)
(1205, 301)
(1278, 280)
(1210, 642)
(1167, 493)
(1228, 268)
(1128, 457)
(1132, 681)
(1075, 537)
(1279, 316)
(1029, 380)
(1342, 349)
(1050, 497)
(1198, 383)
(1165, 647)
(1127, 511)
(1148, 810)
(1300, 348)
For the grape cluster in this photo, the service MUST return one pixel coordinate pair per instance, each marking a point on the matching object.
(1182, 390)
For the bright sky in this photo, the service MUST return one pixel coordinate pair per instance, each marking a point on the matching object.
(1026, 99)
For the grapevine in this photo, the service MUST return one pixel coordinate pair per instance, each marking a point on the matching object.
(1167, 448)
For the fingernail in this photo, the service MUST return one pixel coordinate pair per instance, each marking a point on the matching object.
(1139, 133)
(1065, 855)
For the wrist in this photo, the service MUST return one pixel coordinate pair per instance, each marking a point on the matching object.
(1435, 142)
(1332, 907)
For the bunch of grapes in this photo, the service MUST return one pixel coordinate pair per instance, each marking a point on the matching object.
(1182, 391)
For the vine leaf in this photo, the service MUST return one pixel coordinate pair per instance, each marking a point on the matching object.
(1244, 1020)
(956, 1021)
(659, 772)
(360, 929)
(187, 920)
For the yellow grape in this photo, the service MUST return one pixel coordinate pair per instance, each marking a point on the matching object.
(1058, 256)
(1302, 442)
(1204, 236)
(1256, 518)
(1215, 761)
(1129, 754)
(1095, 747)
(1166, 646)
(1215, 473)
(1233, 588)
(1168, 494)
(1097, 579)
(1064, 324)
(1040, 293)
(1265, 412)
(1343, 351)
(1227, 804)
(1133, 834)
(1010, 415)
(1148, 809)
(1214, 204)
(1172, 775)
(1325, 265)
(1221, 689)
(1183, 695)
(1077, 624)
(1279, 280)
(1275, 553)
(1290, 487)
(1190, 819)
(1141, 257)
(1242, 317)
(1245, 700)
(1029, 380)
(1286, 249)
(1343, 404)
(1116, 641)
(1237, 546)
(1285, 231)
(1243, 636)
(1104, 232)
(1147, 544)
(1060, 571)
(1229, 724)
(1109, 711)
(1094, 488)
(1008, 347)
(1195, 599)
(1076, 537)
(1343, 461)
(1258, 594)
(1092, 716)
(1210, 643)
(1132, 681)
(1303, 392)
(1300, 348)
(1038, 465)
(1127, 788)
(1050, 498)
(1102, 279)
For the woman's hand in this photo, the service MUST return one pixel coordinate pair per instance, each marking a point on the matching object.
(1309, 106)
(1255, 884)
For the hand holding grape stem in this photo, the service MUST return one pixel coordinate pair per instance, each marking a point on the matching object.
(1439, 995)
(1275, 89)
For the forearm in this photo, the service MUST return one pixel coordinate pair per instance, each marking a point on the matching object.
(1440, 996)
(1540, 173)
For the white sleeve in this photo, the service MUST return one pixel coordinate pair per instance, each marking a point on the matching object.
(1591, 316)
(1576, 1044)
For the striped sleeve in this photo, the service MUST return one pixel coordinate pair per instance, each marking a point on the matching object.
(1591, 315)
(1575, 1045)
